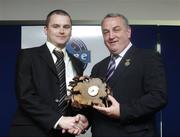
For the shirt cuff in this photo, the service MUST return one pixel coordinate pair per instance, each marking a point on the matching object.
(56, 126)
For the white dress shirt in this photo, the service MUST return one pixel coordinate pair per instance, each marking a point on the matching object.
(70, 71)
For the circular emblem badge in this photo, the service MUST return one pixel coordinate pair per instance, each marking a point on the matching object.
(79, 49)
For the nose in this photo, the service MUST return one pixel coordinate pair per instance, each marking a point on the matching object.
(61, 30)
(111, 35)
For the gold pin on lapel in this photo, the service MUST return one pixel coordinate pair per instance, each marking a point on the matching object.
(127, 62)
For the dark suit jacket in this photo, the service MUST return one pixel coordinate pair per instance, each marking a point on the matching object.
(37, 90)
(140, 88)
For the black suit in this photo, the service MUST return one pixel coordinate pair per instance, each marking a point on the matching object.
(139, 85)
(37, 90)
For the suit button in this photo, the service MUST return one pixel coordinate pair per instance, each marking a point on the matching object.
(56, 100)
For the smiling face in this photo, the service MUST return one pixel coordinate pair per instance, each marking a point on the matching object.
(58, 30)
(116, 34)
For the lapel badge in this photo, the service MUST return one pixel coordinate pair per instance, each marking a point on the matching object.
(127, 62)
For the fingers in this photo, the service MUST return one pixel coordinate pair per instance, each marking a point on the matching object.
(111, 98)
(67, 122)
(74, 131)
(84, 77)
(77, 118)
(112, 111)
(103, 110)
(80, 126)
(81, 121)
(77, 129)
(81, 117)
(74, 125)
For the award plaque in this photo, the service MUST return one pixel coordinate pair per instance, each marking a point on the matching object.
(88, 91)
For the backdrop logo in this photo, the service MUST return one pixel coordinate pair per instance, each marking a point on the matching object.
(79, 49)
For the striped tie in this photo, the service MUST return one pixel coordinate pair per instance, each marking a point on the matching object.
(60, 67)
(111, 67)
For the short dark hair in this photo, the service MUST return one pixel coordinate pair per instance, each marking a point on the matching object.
(58, 12)
(110, 15)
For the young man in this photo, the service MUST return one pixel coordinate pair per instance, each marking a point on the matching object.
(41, 82)
(137, 79)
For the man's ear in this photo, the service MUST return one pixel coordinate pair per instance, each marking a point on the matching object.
(129, 32)
(45, 30)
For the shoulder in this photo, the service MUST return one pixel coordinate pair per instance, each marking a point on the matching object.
(149, 58)
(147, 53)
(31, 51)
(102, 62)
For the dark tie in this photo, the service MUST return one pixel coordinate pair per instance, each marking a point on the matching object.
(60, 67)
(111, 67)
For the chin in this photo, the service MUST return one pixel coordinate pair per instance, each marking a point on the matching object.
(114, 51)
(61, 43)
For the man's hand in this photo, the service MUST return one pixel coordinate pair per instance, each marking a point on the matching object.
(113, 111)
(69, 124)
(76, 124)
(83, 121)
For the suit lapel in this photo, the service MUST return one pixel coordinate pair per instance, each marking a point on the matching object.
(46, 56)
(123, 66)
(101, 70)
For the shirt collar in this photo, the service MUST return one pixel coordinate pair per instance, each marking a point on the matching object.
(125, 50)
(51, 47)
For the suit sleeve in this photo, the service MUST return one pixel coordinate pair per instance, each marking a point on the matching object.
(155, 91)
(28, 98)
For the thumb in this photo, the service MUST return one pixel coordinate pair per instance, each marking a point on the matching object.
(111, 98)
(77, 118)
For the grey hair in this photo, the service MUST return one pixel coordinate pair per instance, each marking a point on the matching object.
(111, 15)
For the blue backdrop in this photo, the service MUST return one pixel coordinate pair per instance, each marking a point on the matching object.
(170, 47)
(10, 44)
(144, 36)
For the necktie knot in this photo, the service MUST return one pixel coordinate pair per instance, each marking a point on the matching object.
(58, 54)
(114, 57)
